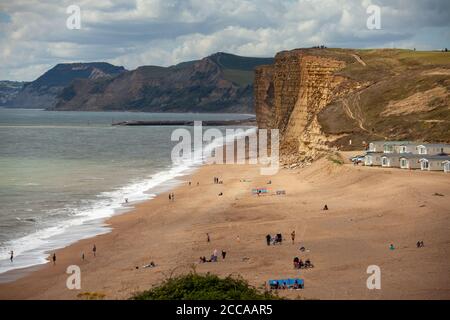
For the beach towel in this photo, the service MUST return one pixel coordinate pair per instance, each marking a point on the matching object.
(289, 283)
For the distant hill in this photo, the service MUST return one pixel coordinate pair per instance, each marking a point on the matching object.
(219, 83)
(9, 90)
(42, 92)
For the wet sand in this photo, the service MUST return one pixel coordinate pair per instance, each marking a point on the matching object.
(369, 208)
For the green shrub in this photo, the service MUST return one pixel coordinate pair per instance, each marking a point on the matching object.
(336, 159)
(204, 287)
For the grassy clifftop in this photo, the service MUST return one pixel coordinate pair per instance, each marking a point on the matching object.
(401, 94)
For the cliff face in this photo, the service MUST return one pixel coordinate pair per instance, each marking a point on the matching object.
(264, 96)
(290, 94)
(327, 100)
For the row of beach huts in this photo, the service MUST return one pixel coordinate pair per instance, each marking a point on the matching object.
(409, 155)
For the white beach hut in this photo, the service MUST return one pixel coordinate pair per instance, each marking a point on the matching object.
(390, 160)
(434, 163)
(446, 165)
(372, 159)
(410, 161)
(433, 148)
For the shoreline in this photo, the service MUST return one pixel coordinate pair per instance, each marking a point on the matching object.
(96, 227)
(353, 234)
(149, 187)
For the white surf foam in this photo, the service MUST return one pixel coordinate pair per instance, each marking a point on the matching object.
(89, 220)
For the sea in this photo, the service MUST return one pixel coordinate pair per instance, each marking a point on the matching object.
(63, 174)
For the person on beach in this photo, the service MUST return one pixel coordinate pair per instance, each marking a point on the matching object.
(224, 253)
(170, 196)
(54, 258)
(268, 239)
(325, 207)
(293, 236)
(94, 250)
(12, 256)
(82, 256)
(208, 239)
(189, 183)
(279, 238)
(214, 256)
(300, 264)
(173, 196)
(391, 247)
(126, 200)
(296, 262)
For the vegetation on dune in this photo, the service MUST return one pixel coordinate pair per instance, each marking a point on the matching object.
(336, 159)
(194, 286)
(91, 296)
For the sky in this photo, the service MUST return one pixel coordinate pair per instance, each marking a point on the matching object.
(34, 35)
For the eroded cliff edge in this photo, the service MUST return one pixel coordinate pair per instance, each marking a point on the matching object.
(323, 100)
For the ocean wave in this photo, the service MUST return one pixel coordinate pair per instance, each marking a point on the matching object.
(26, 219)
(88, 220)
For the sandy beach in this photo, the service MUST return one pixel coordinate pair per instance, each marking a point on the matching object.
(369, 208)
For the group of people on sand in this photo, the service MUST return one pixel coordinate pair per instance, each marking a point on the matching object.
(53, 258)
(299, 264)
(171, 196)
(217, 180)
(150, 265)
(277, 239)
(214, 257)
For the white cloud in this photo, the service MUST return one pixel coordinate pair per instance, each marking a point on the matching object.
(33, 35)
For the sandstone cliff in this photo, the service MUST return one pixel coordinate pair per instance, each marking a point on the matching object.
(323, 100)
